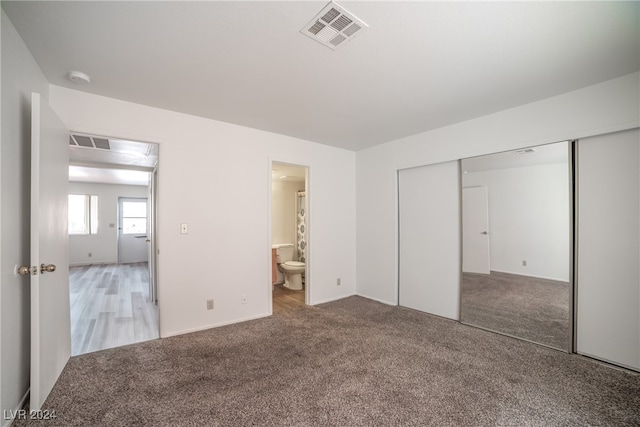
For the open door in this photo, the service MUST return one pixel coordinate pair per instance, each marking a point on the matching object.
(49, 270)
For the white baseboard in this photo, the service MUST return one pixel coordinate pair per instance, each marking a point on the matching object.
(520, 273)
(83, 263)
(215, 325)
(378, 300)
(23, 401)
(332, 299)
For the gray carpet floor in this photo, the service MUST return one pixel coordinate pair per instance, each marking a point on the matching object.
(352, 362)
(527, 307)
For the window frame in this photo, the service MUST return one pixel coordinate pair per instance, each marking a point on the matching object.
(90, 212)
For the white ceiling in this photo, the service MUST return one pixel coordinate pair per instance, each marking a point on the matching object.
(108, 176)
(419, 65)
(132, 154)
(123, 162)
(285, 172)
(541, 155)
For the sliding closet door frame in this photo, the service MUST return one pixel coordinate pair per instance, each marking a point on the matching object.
(572, 146)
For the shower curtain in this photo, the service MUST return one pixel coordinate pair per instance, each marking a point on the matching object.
(301, 226)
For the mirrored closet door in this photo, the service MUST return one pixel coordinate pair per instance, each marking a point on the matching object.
(516, 250)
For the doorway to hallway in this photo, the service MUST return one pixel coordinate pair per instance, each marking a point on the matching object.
(113, 269)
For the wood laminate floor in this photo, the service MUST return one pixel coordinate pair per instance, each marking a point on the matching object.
(110, 307)
(285, 299)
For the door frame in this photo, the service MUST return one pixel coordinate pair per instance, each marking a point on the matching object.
(154, 206)
(479, 210)
(152, 231)
(308, 296)
(119, 223)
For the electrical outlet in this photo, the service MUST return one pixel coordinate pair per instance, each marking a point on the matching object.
(184, 229)
(524, 262)
(243, 298)
(338, 282)
(209, 304)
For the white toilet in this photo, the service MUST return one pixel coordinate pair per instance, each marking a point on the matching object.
(292, 270)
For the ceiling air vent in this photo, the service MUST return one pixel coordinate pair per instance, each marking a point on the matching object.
(333, 25)
(525, 151)
(89, 141)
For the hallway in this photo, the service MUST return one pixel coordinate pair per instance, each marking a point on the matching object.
(110, 307)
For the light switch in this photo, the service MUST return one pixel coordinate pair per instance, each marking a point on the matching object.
(183, 229)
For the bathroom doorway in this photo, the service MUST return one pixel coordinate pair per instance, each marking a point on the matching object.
(289, 281)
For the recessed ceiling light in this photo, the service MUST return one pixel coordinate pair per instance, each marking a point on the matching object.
(79, 77)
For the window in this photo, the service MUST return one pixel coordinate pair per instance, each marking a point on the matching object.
(134, 217)
(83, 214)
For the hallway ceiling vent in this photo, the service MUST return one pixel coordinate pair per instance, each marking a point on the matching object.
(333, 26)
(89, 142)
(525, 151)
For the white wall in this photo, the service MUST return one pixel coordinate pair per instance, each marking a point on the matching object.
(216, 177)
(104, 245)
(602, 108)
(20, 77)
(283, 210)
(529, 219)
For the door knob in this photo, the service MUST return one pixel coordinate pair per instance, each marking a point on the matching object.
(24, 270)
(47, 268)
(484, 232)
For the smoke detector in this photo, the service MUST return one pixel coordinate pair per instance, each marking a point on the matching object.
(333, 26)
(79, 77)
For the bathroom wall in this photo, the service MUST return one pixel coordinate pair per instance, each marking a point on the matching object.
(104, 245)
(283, 210)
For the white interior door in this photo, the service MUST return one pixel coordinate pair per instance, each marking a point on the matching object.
(429, 239)
(475, 230)
(132, 230)
(50, 319)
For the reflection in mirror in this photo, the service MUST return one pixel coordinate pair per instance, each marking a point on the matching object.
(516, 243)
